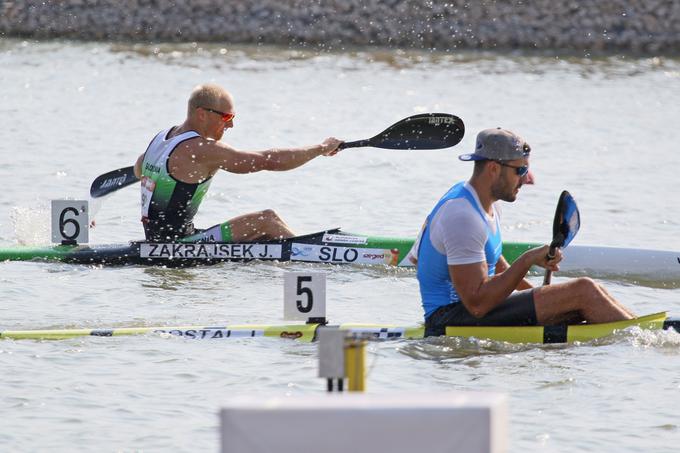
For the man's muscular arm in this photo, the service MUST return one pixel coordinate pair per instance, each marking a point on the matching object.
(224, 157)
(481, 293)
(502, 265)
(138, 166)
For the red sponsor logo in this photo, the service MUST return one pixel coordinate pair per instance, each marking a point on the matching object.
(291, 335)
(374, 256)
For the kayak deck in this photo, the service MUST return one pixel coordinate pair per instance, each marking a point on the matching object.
(331, 246)
(560, 333)
(308, 332)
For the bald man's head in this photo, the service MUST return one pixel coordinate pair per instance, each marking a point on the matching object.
(210, 96)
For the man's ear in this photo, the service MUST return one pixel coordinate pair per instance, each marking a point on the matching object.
(494, 168)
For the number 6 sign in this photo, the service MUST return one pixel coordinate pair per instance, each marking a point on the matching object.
(304, 295)
(70, 221)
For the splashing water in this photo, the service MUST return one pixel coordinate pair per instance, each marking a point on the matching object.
(663, 340)
(31, 224)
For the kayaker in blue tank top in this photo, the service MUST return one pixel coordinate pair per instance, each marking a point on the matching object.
(463, 277)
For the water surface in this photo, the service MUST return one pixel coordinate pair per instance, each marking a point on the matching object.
(605, 129)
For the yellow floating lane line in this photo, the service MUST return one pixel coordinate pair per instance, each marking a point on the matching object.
(385, 331)
(302, 332)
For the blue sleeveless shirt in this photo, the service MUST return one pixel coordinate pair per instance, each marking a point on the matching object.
(436, 287)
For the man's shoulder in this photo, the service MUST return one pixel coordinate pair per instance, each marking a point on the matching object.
(199, 147)
(456, 211)
(457, 207)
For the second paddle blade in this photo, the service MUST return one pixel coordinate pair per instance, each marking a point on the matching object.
(567, 220)
(112, 181)
(424, 131)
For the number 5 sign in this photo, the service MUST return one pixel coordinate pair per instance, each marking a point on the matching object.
(304, 295)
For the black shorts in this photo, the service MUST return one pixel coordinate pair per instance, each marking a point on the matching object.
(517, 310)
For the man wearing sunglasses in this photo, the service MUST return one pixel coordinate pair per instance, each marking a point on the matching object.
(177, 168)
(464, 279)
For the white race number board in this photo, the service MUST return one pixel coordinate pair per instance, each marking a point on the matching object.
(304, 295)
(70, 221)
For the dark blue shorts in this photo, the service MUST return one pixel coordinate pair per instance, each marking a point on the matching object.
(517, 310)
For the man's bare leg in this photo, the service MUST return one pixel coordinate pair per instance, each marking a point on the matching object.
(611, 298)
(582, 296)
(263, 225)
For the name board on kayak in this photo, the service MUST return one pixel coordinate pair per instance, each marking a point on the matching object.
(335, 254)
(208, 251)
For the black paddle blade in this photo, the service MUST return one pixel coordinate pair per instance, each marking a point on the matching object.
(112, 181)
(567, 221)
(565, 226)
(424, 131)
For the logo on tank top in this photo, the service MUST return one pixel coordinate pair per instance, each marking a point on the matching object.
(152, 168)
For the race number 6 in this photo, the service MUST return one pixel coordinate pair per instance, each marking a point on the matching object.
(70, 219)
(304, 295)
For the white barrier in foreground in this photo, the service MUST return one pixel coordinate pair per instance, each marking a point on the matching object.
(466, 422)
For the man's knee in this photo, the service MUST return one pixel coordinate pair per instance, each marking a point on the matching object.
(270, 215)
(587, 287)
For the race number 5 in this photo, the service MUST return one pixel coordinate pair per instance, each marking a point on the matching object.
(304, 296)
(70, 219)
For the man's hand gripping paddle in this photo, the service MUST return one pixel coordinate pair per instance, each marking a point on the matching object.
(565, 226)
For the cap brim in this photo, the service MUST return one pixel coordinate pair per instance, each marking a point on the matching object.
(469, 157)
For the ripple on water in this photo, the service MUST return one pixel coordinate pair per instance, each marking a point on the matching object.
(445, 348)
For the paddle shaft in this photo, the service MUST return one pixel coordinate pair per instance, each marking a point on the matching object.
(355, 144)
(548, 272)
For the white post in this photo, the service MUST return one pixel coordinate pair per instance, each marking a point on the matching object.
(332, 357)
(347, 422)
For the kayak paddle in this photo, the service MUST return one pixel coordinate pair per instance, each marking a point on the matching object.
(565, 226)
(423, 131)
(112, 181)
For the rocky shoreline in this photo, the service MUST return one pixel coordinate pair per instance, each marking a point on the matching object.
(583, 26)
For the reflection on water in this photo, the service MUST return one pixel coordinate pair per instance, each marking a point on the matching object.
(662, 282)
(346, 273)
(443, 348)
(168, 278)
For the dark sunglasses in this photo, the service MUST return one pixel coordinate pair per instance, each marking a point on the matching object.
(226, 117)
(521, 170)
